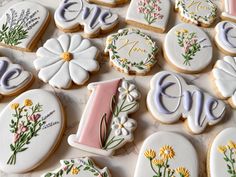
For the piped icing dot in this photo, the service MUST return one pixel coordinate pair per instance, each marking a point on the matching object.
(67, 56)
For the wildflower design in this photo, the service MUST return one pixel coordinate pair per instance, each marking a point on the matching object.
(150, 10)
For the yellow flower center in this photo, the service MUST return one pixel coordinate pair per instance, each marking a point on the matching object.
(67, 56)
(121, 126)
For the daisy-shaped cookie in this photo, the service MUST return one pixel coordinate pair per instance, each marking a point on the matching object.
(67, 59)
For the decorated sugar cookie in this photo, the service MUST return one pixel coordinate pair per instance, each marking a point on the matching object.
(13, 78)
(72, 14)
(224, 74)
(171, 99)
(188, 48)
(26, 123)
(230, 10)
(131, 51)
(81, 167)
(105, 126)
(67, 59)
(222, 159)
(199, 12)
(166, 154)
(22, 25)
(226, 37)
(151, 15)
(110, 3)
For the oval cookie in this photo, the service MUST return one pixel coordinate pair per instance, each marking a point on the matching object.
(80, 167)
(26, 123)
(167, 154)
(105, 126)
(199, 12)
(131, 51)
(171, 99)
(188, 48)
(229, 11)
(221, 160)
(226, 37)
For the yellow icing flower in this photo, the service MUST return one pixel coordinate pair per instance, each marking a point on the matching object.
(222, 149)
(109, 40)
(184, 31)
(15, 106)
(231, 145)
(177, 32)
(158, 162)
(74, 171)
(123, 60)
(28, 102)
(150, 154)
(167, 152)
(182, 171)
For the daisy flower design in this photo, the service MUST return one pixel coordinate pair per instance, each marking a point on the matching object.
(123, 126)
(128, 91)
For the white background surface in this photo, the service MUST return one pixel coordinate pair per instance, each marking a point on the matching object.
(74, 100)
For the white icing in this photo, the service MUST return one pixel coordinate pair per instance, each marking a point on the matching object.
(71, 17)
(174, 97)
(80, 167)
(50, 132)
(225, 77)
(16, 82)
(174, 51)
(59, 72)
(135, 50)
(197, 11)
(226, 36)
(35, 17)
(161, 14)
(218, 166)
(185, 154)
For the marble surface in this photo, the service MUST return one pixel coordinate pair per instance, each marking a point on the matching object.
(74, 100)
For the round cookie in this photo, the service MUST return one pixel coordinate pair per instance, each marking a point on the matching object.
(199, 12)
(105, 126)
(131, 51)
(167, 154)
(221, 156)
(230, 10)
(225, 37)
(187, 48)
(171, 99)
(26, 123)
(67, 59)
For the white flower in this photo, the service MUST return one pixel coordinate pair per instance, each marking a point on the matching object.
(128, 91)
(122, 126)
(65, 59)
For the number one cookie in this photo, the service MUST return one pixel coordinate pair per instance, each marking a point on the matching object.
(104, 125)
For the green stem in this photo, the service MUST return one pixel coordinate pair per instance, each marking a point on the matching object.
(150, 160)
(165, 167)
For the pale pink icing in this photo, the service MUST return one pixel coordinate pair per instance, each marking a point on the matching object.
(232, 7)
(101, 104)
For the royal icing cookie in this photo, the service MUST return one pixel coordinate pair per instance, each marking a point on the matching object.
(22, 25)
(188, 48)
(72, 14)
(26, 123)
(170, 99)
(13, 78)
(131, 51)
(162, 156)
(224, 74)
(109, 3)
(149, 14)
(221, 159)
(67, 59)
(230, 10)
(80, 167)
(105, 126)
(199, 12)
(226, 37)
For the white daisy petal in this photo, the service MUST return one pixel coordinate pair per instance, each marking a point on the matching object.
(88, 54)
(42, 62)
(78, 74)
(43, 52)
(62, 78)
(121, 89)
(122, 96)
(118, 132)
(115, 126)
(85, 44)
(124, 131)
(54, 46)
(130, 98)
(65, 42)
(116, 120)
(48, 72)
(75, 42)
(123, 119)
(131, 87)
(134, 94)
(125, 85)
(128, 125)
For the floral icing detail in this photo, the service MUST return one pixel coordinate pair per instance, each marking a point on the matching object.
(128, 53)
(150, 10)
(122, 126)
(26, 124)
(67, 57)
(128, 91)
(82, 167)
(160, 163)
(229, 157)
